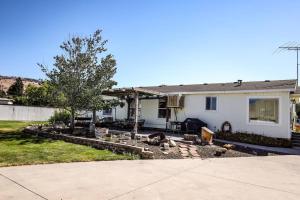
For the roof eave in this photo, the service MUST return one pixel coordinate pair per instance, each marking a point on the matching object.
(232, 91)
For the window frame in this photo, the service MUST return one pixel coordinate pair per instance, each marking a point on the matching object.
(211, 110)
(260, 122)
(107, 113)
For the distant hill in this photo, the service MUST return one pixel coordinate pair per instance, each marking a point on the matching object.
(7, 81)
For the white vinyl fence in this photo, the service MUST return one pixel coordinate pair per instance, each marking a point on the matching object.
(25, 113)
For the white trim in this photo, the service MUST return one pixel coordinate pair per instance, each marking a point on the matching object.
(231, 92)
(265, 123)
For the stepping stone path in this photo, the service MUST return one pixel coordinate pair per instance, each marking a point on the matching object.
(188, 151)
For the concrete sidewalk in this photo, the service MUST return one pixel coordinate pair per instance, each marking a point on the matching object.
(271, 177)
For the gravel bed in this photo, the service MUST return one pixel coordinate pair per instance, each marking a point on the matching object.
(209, 151)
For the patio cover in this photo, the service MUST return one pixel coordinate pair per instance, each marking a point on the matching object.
(119, 92)
(136, 93)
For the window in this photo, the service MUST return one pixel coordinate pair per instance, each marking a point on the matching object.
(211, 103)
(107, 111)
(264, 109)
(162, 108)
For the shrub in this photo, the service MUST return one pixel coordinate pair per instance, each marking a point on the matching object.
(60, 116)
(20, 100)
(2, 93)
(254, 139)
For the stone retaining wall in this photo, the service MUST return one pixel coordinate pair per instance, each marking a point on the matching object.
(95, 143)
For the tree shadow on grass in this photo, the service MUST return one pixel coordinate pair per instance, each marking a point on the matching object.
(22, 138)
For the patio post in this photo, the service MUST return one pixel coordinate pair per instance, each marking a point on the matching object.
(136, 115)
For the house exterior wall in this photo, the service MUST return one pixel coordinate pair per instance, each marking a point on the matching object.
(232, 107)
(117, 113)
(150, 114)
(235, 109)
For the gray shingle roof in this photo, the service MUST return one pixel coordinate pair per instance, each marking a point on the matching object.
(234, 86)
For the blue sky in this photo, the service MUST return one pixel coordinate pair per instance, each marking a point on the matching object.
(157, 42)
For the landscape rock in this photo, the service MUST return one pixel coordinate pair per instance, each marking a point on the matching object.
(220, 151)
(172, 143)
(126, 138)
(127, 134)
(146, 149)
(165, 140)
(166, 146)
(229, 146)
(190, 137)
(153, 141)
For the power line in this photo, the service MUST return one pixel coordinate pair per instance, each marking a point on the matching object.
(293, 47)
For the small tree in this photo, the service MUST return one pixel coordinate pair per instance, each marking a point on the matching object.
(42, 95)
(16, 89)
(80, 75)
(36, 95)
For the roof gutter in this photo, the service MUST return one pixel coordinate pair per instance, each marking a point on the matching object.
(233, 92)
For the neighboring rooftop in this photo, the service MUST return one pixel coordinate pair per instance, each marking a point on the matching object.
(233, 86)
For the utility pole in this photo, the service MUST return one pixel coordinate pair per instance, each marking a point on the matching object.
(293, 48)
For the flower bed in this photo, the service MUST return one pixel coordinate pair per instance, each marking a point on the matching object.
(254, 139)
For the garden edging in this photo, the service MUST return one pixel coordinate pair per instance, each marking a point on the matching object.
(95, 143)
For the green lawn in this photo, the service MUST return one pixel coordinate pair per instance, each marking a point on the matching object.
(17, 148)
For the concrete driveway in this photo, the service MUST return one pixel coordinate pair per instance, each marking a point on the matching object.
(272, 177)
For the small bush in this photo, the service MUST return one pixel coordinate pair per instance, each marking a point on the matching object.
(254, 139)
(20, 100)
(60, 116)
(2, 93)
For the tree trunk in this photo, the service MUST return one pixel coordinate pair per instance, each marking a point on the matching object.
(92, 128)
(94, 116)
(72, 125)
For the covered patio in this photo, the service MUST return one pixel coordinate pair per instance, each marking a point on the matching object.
(134, 94)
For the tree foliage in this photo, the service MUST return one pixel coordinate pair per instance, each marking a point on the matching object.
(16, 89)
(42, 95)
(82, 72)
(39, 95)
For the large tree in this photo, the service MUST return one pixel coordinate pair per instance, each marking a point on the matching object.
(82, 72)
(16, 89)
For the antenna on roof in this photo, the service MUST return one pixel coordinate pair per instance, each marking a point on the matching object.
(293, 47)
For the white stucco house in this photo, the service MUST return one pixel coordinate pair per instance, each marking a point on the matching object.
(260, 107)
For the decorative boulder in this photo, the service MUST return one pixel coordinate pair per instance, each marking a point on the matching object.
(190, 137)
(127, 134)
(146, 149)
(229, 146)
(220, 151)
(138, 137)
(166, 146)
(172, 143)
(165, 140)
(59, 125)
(153, 141)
